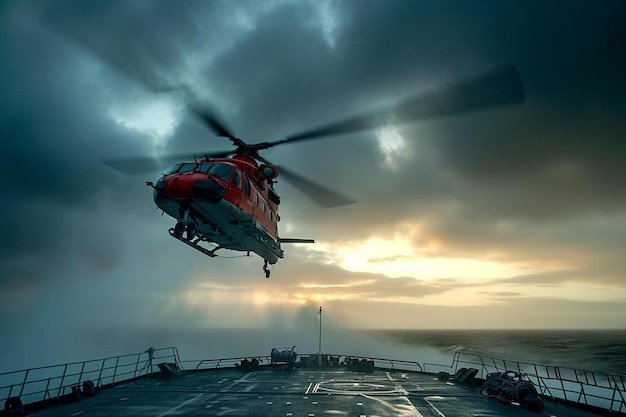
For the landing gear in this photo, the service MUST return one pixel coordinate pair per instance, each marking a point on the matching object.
(179, 229)
(193, 243)
(185, 225)
(191, 231)
(266, 270)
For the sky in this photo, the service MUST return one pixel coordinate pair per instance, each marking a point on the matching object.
(513, 217)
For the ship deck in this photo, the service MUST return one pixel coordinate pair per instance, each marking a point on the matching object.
(308, 392)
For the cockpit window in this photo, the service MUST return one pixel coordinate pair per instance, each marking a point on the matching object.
(173, 169)
(217, 169)
(246, 185)
(237, 179)
(204, 167)
(187, 167)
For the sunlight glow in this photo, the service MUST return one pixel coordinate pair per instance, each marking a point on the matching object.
(346, 285)
(398, 257)
(155, 118)
(491, 293)
(391, 144)
(221, 294)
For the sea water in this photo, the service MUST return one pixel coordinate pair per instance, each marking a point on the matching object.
(596, 350)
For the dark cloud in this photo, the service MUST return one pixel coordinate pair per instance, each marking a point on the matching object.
(145, 42)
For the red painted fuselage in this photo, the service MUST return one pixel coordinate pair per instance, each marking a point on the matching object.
(228, 201)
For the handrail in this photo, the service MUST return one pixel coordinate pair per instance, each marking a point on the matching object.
(393, 363)
(47, 382)
(217, 363)
(592, 388)
(380, 362)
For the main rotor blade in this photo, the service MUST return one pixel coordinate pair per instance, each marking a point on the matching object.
(322, 195)
(218, 127)
(211, 121)
(502, 87)
(146, 164)
(134, 166)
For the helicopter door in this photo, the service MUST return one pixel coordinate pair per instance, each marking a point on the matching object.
(246, 186)
(246, 191)
(237, 181)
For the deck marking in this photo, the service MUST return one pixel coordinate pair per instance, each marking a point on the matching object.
(243, 378)
(77, 413)
(181, 405)
(235, 382)
(435, 408)
(414, 410)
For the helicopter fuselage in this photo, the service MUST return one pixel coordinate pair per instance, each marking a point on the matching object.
(226, 201)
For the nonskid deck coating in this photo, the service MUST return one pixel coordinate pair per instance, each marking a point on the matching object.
(303, 392)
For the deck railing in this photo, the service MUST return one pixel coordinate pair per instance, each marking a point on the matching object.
(49, 382)
(593, 388)
(390, 363)
(223, 362)
(334, 358)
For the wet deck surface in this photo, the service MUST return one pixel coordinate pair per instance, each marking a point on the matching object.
(303, 392)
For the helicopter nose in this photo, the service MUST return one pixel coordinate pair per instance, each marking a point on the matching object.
(210, 191)
(160, 184)
(159, 190)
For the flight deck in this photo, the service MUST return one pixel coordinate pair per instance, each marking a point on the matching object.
(269, 391)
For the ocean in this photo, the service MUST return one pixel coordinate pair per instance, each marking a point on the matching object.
(596, 350)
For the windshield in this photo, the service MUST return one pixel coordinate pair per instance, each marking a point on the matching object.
(173, 169)
(180, 168)
(187, 167)
(218, 169)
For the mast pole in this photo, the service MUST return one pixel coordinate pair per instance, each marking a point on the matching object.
(319, 351)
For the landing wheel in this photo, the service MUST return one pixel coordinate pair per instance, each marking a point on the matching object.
(266, 270)
(178, 229)
(191, 231)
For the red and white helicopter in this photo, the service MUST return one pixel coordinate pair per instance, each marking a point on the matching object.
(227, 200)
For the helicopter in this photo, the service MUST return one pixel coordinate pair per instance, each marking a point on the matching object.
(227, 199)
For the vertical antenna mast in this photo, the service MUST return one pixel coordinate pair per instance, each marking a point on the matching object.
(319, 351)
